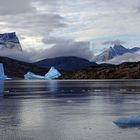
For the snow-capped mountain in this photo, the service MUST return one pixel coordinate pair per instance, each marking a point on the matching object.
(116, 50)
(9, 41)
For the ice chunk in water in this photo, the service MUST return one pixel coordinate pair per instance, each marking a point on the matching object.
(2, 75)
(31, 75)
(131, 121)
(52, 74)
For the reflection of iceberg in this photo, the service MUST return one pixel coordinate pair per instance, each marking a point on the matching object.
(2, 75)
(1, 87)
(52, 74)
(53, 86)
(128, 122)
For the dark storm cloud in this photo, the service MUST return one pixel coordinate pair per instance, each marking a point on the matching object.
(115, 42)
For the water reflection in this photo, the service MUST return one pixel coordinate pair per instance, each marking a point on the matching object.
(32, 114)
(1, 87)
(53, 86)
(67, 110)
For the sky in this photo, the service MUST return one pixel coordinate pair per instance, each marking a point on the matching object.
(83, 28)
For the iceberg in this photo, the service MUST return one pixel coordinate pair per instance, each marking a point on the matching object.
(52, 74)
(31, 76)
(131, 121)
(2, 75)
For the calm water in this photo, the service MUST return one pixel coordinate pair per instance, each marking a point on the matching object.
(68, 110)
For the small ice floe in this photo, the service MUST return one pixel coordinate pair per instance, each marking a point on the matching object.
(62, 90)
(132, 121)
(83, 90)
(69, 101)
(97, 90)
(123, 90)
(71, 90)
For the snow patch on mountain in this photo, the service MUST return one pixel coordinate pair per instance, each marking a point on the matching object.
(113, 52)
(9, 41)
(127, 57)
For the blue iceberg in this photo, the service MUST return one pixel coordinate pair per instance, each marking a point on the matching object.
(131, 121)
(2, 75)
(52, 74)
(32, 76)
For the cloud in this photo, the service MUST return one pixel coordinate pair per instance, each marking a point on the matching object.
(115, 42)
(128, 57)
(60, 48)
(137, 8)
(62, 24)
(68, 47)
(15, 7)
(28, 18)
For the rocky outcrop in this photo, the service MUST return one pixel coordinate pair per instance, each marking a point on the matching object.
(122, 71)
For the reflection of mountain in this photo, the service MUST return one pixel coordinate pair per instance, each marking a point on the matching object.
(116, 50)
(9, 41)
(1, 87)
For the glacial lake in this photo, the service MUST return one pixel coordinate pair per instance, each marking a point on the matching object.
(68, 110)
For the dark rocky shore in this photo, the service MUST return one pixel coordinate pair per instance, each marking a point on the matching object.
(107, 71)
(127, 70)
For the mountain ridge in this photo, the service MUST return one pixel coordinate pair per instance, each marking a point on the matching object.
(128, 70)
(68, 63)
(10, 41)
(112, 52)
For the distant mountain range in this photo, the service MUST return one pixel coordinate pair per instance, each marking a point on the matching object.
(17, 69)
(9, 41)
(69, 63)
(112, 52)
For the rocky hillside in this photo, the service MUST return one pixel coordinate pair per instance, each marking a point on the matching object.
(128, 70)
(67, 63)
(107, 71)
(17, 69)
